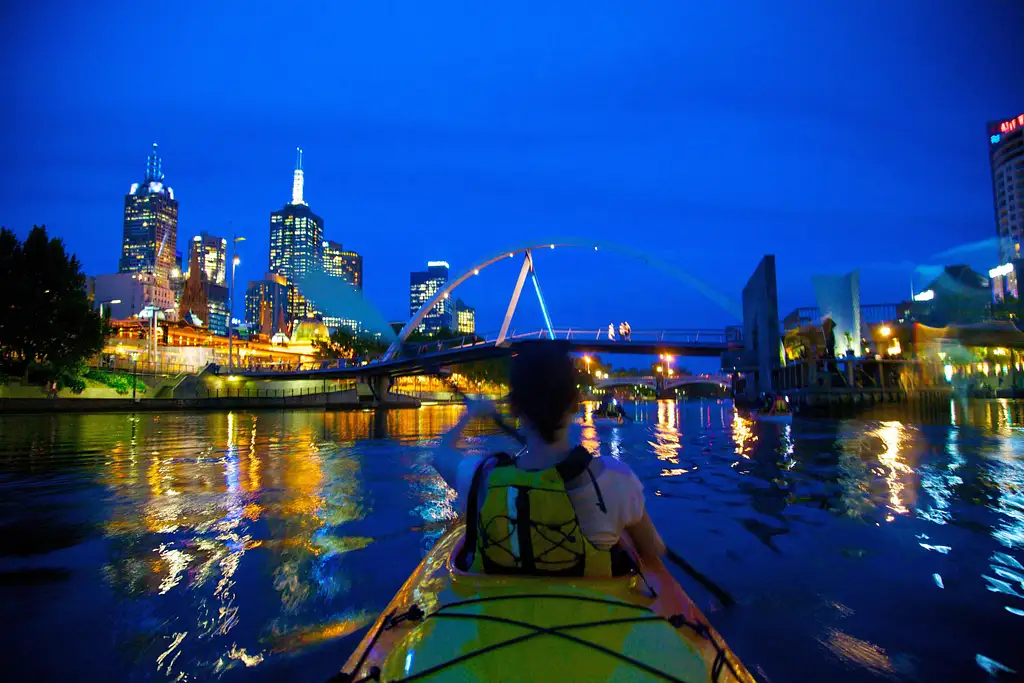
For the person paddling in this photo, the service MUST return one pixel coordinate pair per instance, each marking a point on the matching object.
(523, 513)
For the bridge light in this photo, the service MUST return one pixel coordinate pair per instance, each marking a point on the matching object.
(476, 271)
(552, 246)
(658, 368)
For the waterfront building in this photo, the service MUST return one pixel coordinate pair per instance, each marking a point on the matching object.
(150, 237)
(133, 292)
(346, 265)
(423, 285)
(465, 318)
(959, 295)
(296, 234)
(1006, 156)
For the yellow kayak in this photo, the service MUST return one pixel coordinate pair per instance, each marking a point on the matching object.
(448, 625)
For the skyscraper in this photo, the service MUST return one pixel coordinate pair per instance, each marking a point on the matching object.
(347, 265)
(211, 254)
(296, 235)
(266, 305)
(150, 225)
(1006, 154)
(423, 285)
(465, 318)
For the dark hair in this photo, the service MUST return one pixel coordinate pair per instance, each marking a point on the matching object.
(543, 385)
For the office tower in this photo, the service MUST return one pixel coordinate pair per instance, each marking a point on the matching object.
(266, 305)
(465, 318)
(150, 225)
(1006, 156)
(347, 265)
(212, 254)
(296, 235)
(423, 285)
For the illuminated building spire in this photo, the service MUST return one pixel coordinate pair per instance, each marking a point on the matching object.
(297, 181)
(153, 166)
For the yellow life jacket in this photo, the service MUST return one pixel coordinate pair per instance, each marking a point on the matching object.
(526, 523)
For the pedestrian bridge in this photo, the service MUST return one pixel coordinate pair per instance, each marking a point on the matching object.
(427, 358)
(663, 382)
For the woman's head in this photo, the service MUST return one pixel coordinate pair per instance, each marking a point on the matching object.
(543, 386)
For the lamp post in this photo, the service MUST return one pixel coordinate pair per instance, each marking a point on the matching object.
(231, 297)
(135, 374)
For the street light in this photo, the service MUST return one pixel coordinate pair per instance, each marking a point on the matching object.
(586, 359)
(231, 296)
(885, 330)
(135, 374)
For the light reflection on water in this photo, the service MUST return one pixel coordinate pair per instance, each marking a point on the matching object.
(255, 546)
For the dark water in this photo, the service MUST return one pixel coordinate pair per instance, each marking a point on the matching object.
(255, 546)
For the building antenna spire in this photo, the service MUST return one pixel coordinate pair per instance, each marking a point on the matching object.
(154, 170)
(297, 179)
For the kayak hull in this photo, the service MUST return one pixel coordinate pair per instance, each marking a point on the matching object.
(448, 625)
(785, 418)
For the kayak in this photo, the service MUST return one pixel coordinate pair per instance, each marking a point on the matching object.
(606, 420)
(445, 624)
(782, 418)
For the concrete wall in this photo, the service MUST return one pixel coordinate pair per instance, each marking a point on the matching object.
(839, 298)
(761, 335)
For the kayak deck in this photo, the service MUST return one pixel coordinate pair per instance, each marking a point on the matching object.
(447, 625)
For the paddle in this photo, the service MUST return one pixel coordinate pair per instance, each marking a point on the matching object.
(720, 593)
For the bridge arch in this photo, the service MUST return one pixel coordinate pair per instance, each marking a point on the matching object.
(450, 286)
(727, 304)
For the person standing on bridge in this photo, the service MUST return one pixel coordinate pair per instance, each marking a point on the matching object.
(622, 331)
(628, 336)
(611, 331)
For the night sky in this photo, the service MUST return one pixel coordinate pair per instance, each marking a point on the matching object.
(834, 135)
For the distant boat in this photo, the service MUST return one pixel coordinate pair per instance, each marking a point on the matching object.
(782, 418)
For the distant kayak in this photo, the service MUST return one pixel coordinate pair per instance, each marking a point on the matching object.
(782, 418)
(445, 624)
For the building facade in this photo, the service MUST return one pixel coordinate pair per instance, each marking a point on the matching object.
(150, 237)
(1006, 154)
(212, 253)
(465, 318)
(132, 292)
(347, 265)
(423, 285)
(266, 305)
(296, 235)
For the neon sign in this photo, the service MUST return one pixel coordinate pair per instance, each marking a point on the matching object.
(1009, 125)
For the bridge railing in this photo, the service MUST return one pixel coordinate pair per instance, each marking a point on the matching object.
(694, 336)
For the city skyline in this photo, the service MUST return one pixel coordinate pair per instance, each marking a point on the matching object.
(711, 167)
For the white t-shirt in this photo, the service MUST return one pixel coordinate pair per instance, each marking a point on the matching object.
(622, 492)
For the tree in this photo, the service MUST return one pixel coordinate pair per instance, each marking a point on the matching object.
(344, 344)
(47, 323)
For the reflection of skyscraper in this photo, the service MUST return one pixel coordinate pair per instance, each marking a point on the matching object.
(150, 225)
(423, 285)
(1006, 154)
(296, 235)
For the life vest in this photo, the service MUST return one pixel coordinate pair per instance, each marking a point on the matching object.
(523, 522)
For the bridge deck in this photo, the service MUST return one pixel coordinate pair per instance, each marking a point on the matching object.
(426, 358)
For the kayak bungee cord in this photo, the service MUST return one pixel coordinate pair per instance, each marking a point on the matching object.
(414, 613)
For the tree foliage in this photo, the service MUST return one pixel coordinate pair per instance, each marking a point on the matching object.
(47, 323)
(344, 344)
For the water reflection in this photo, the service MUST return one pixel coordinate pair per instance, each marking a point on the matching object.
(222, 541)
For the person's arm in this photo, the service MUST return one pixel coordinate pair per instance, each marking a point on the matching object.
(646, 540)
(448, 458)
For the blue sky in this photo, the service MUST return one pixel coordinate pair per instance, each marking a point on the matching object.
(834, 135)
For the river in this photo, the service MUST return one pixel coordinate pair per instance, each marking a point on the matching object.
(256, 546)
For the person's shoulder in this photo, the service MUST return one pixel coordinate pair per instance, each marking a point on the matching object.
(613, 467)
